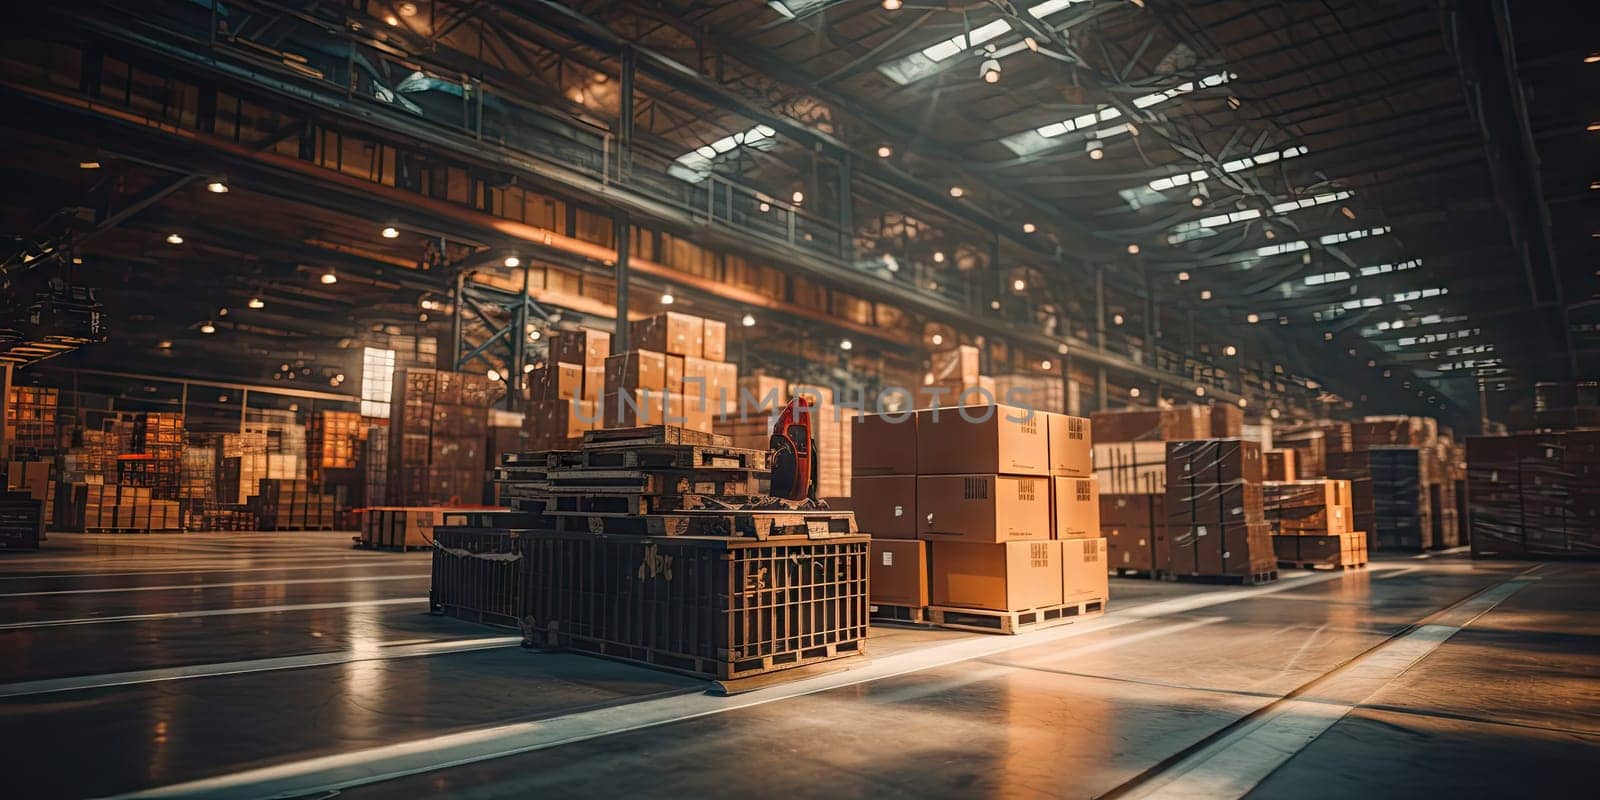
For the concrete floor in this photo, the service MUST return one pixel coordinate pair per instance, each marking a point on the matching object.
(252, 665)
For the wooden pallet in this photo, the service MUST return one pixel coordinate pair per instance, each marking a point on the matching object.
(676, 456)
(1012, 622)
(1125, 572)
(888, 612)
(652, 435)
(1322, 565)
(732, 670)
(744, 524)
(1252, 579)
(711, 481)
(635, 503)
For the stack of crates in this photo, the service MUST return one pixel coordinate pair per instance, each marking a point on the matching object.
(437, 428)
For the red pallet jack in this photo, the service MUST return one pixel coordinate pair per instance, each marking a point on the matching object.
(794, 451)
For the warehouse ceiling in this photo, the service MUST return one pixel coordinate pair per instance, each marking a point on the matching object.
(1374, 207)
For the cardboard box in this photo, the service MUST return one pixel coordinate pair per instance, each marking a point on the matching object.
(898, 575)
(956, 365)
(1076, 506)
(670, 332)
(1334, 550)
(1070, 446)
(1308, 508)
(983, 508)
(1084, 573)
(1003, 440)
(884, 445)
(594, 381)
(586, 347)
(1140, 548)
(1278, 465)
(635, 370)
(885, 505)
(714, 340)
(1237, 548)
(1131, 467)
(643, 407)
(674, 373)
(1013, 576)
(1213, 461)
(563, 381)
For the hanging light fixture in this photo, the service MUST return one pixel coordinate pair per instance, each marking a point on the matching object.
(330, 277)
(1019, 285)
(892, 5)
(1028, 227)
(937, 339)
(174, 239)
(1183, 276)
(256, 302)
(217, 187)
(493, 374)
(391, 232)
(846, 344)
(1134, 392)
(208, 328)
(989, 70)
(957, 191)
(798, 197)
(884, 151)
(1133, 248)
(1095, 148)
(1045, 364)
(667, 298)
(748, 320)
(513, 261)
(938, 256)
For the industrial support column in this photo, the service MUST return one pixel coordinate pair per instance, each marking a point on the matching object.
(847, 223)
(457, 302)
(622, 233)
(516, 381)
(625, 115)
(1100, 337)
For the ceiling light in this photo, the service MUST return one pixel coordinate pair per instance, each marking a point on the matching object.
(1095, 148)
(1269, 233)
(1371, 363)
(173, 238)
(329, 277)
(1197, 201)
(1243, 403)
(427, 305)
(938, 256)
(989, 70)
(1183, 276)
(1273, 413)
(392, 20)
(217, 187)
(76, 260)
(208, 328)
(892, 5)
(527, 368)
(164, 344)
(1252, 318)
(535, 335)
(1028, 227)
(1031, 43)
(1045, 364)
(957, 191)
(1133, 249)
(798, 197)
(1134, 392)
(884, 151)
(1347, 212)
(256, 302)
(222, 312)
(765, 207)
(845, 344)
(513, 261)
(994, 304)
(1116, 319)
(1062, 348)
(1205, 294)
(1328, 336)
(937, 339)
(1233, 102)
(1200, 196)
(1592, 58)
(1230, 350)
(1592, 127)
(391, 232)
(748, 320)
(1199, 391)
(1019, 285)
(88, 165)
(667, 298)
(493, 374)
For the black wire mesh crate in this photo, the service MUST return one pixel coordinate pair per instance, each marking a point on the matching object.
(477, 575)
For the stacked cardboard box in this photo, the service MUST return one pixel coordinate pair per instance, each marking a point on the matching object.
(1039, 392)
(748, 422)
(30, 422)
(678, 375)
(1130, 452)
(564, 395)
(1333, 550)
(292, 505)
(21, 521)
(1534, 494)
(334, 442)
(33, 478)
(437, 426)
(1135, 529)
(1402, 512)
(1216, 521)
(1131, 467)
(375, 460)
(954, 378)
(1181, 423)
(1227, 421)
(995, 505)
(128, 508)
(1311, 524)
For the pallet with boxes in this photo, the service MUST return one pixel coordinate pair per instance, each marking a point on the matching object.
(1216, 524)
(983, 518)
(1534, 495)
(437, 427)
(1311, 525)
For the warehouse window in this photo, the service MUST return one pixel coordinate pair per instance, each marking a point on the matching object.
(377, 381)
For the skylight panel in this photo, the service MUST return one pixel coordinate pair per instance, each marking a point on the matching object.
(695, 165)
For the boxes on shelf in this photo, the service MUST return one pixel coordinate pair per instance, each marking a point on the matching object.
(1136, 425)
(1403, 513)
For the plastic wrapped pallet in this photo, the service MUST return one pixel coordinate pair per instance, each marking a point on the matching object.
(1216, 522)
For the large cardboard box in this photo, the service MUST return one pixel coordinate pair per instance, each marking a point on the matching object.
(586, 347)
(1214, 461)
(674, 373)
(1002, 439)
(1235, 548)
(1084, 576)
(983, 508)
(885, 505)
(1076, 506)
(562, 381)
(645, 407)
(670, 332)
(1131, 467)
(1141, 548)
(714, 345)
(1308, 508)
(1070, 446)
(884, 445)
(898, 575)
(1013, 576)
(594, 381)
(634, 370)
